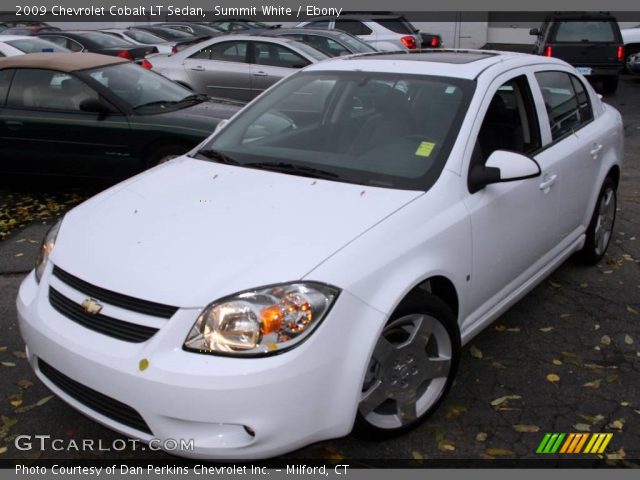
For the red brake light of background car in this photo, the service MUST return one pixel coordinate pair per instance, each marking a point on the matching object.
(147, 64)
(125, 54)
(434, 42)
(620, 54)
(409, 42)
(174, 50)
(548, 51)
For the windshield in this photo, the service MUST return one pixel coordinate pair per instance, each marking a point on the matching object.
(310, 51)
(171, 34)
(379, 129)
(141, 88)
(34, 45)
(104, 40)
(585, 31)
(355, 44)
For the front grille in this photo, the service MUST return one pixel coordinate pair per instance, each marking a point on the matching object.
(116, 299)
(129, 332)
(96, 401)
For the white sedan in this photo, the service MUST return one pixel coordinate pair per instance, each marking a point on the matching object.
(11, 45)
(318, 263)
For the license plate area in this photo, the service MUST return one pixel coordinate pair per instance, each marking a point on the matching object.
(584, 70)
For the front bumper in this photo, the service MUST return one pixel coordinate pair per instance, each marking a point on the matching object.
(232, 408)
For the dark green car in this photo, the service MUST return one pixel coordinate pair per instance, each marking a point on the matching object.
(90, 115)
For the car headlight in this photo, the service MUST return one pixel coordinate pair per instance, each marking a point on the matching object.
(262, 321)
(46, 248)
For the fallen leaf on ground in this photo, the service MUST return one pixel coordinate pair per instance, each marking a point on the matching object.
(24, 384)
(3, 349)
(475, 352)
(617, 424)
(498, 452)
(3, 450)
(565, 315)
(553, 378)
(605, 340)
(628, 340)
(500, 328)
(501, 400)
(618, 455)
(417, 456)
(44, 400)
(8, 364)
(546, 329)
(594, 384)
(498, 365)
(526, 428)
(624, 404)
(481, 436)
(19, 354)
(555, 361)
(632, 310)
(454, 411)
(582, 427)
(446, 446)
(554, 284)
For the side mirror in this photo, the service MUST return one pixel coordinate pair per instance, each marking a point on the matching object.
(502, 166)
(534, 31)
(94, 105)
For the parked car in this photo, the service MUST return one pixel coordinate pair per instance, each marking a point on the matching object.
(195, 29)
(589, 41)
(239, 67)
(92, 115)
(633, 63)
(98, 42)
(319, 261)
(168, 34)
(141, 37)
(29, 30)
(333, 43)
(240, 25)
(11, 45)
(631, 39)
(384, 32)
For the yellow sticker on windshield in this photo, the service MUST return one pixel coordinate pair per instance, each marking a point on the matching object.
(425, 149)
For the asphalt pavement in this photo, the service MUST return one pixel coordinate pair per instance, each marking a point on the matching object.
(564, 359)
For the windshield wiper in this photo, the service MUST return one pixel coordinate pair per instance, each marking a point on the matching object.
(217, 156)
(291, 168)
(195, 97)
(154, 104)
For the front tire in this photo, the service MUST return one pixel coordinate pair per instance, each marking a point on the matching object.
(412, 368)
(600, 228)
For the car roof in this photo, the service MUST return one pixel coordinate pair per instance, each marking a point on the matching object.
(63, 62)
(357, 16)
(467, 64)
(581, 16)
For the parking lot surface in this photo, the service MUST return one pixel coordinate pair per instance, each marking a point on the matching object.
(564, 359)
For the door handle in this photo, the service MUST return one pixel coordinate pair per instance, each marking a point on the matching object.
(260, 74)
(198, 68)
(596, 150)
(13, 125)
(549, 181)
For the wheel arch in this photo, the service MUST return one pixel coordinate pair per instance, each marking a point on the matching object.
(441, 287)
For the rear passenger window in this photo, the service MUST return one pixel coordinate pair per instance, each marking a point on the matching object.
(225, 52)
(5, 80)
(353, 27)
(277, 56)
(567, 110)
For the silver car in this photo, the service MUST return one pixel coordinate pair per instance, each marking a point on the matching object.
(140, 37)
(239, 67)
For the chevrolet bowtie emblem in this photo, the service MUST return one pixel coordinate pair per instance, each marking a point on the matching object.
(91, 306)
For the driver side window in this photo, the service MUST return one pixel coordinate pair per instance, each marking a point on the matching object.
(510, 123)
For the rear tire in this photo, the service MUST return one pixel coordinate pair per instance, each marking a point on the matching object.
(600, 228)
(411, 370)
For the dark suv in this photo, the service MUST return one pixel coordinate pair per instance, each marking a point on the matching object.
(591, 42)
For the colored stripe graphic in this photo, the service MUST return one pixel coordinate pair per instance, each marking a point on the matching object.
(595, 443)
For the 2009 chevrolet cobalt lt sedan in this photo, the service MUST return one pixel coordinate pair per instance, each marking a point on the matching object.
(319, 261)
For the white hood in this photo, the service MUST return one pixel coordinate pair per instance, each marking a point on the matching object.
(191, 231)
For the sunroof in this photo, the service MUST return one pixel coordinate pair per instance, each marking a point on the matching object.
(435, 56)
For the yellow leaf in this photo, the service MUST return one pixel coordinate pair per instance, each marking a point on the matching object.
(44, 400)
(501, 400)
(628, 340)
(605, 340)
(632, 310)
(546, 329)
(3, 349)
(617, 424)
(446, 446)
(24, 384)
(584, 285)
(500, 328)
(565, 315)
(3, 450)
(582, 427)
(555, 361)
(594, 384)
(16, 403)
(417, 455)
(553, 378)
(475, 352)
(526, 428)
(8, 364)
(481, 436)
(498, 365)
(499, 452)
